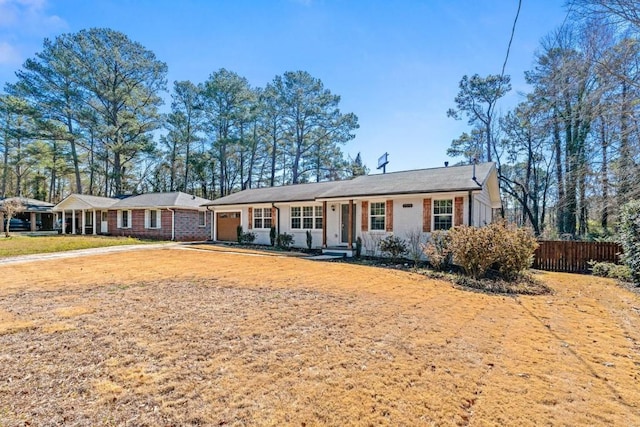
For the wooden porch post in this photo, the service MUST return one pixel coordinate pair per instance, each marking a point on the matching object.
(350, 226)
(324, 224)
(73, 221)
(32, 218)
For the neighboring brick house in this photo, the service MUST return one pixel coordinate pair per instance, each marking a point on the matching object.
(164, 216)
(369, 206)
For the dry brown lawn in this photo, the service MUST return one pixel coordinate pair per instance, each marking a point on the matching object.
(183, 336)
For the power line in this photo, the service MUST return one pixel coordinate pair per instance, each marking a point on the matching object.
(513, 30)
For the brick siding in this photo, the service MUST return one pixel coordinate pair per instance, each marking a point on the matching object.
(186, 225)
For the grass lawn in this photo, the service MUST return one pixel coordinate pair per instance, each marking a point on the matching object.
(19, 244)
(179, 336)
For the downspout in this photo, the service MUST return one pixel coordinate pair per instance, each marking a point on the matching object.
(173, 224)
(212, 223)
(273, 205)
(470, 208)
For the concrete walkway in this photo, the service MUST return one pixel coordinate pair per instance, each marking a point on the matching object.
(84, 252)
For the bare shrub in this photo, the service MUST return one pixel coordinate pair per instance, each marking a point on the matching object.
(438, 250)
(415, 241)
(371, 243)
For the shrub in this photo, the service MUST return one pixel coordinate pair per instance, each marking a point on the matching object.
(438, 250)
(273, 236)
(507, 247)
(471, 249)
(630, 238)
(285, 240)
(309, 239)
(514, 249)
(371, 243)
(358, 247)
(248, 237)
(611, 270)
(394, 246)
(239, 233)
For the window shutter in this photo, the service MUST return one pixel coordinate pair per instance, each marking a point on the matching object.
(389, 216)
(458, 211)
(426, 215)
(250, 225)
(365, 216)
(147, 218)
(119, 219)
(159, 219)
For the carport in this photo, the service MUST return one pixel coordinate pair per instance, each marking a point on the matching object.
(35, 211)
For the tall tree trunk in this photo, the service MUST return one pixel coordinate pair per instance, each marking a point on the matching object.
(604, 218)
(557, 145)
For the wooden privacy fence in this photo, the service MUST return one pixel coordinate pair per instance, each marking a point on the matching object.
(573, 257)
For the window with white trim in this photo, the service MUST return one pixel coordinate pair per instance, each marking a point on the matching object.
(377, 215)
(442, 214)
(261, 217)
(306, 217)
(124, 219)
(152, 218)
(88, 219)
(202, 219)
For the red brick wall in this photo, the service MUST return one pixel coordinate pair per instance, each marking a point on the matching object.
(186, 226)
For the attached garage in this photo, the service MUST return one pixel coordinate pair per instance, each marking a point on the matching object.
(227, 226)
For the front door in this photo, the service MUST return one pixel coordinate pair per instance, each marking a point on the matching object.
(104, 224)
(344, 224)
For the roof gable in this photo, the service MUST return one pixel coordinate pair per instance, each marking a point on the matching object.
(84, 201)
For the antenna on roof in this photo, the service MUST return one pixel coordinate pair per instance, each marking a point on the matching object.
(382, 162)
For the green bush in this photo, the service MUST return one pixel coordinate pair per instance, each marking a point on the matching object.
(630, 238)
(438, 250)
(508, 248)
(394, 246)
(610, 270)
(239, 233)
(309, 239)
(248, 237)
(285, 240)
(273, 236)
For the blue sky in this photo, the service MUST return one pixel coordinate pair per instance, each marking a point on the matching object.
(396, 64)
